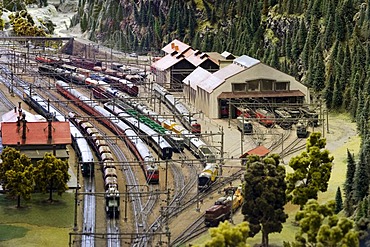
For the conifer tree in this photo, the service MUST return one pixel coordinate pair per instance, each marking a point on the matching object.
(361, 179)
(338, 201)
(319, 70)
(348, 184)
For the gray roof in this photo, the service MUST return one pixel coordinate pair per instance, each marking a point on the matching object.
(246, 61)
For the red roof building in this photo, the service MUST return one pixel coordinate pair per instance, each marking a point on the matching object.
(259, 150)
(37, 138)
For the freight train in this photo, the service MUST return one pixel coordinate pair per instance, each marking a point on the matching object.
(132, 140)
(224, 206)
(79, 143)
(103, 151)
(182, 112)
(69, 73)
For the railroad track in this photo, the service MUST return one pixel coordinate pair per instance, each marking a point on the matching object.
(194, 230)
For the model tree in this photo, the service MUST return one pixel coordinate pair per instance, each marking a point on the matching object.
(52, 173)
(16, 174)
(312, 169)
(264, 196)
(227, 234)
(320, 226)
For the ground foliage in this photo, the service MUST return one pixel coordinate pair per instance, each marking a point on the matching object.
(320, 226)
(228, 235)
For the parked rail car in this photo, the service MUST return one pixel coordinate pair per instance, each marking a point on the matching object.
(70, 73)
(151, 137)
(198, 147)
(79, 143)
(132, 140)
(123, 85)
(84, 63)
(183, 114)
(48, 60)
(109, 172)
(207, 177)
(244, 125)
(302, 131)
(265, 117)
(310, 115)
(283, 118)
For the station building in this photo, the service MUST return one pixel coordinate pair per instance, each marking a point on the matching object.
(34, 136)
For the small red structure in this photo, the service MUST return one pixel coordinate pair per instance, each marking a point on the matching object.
(260, 151)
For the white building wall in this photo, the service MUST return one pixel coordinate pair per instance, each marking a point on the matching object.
(208, 103)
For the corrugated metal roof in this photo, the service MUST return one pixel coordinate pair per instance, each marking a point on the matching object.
(270, 94)
(37, 133)
(175, 45)
(196, 77)
(166, 62)
(217, 78)
(246, 61)
(196, 57)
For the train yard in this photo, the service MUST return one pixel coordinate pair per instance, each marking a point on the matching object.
(145, 170)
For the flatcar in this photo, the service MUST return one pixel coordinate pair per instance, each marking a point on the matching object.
(132, 140)
(265, 117)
